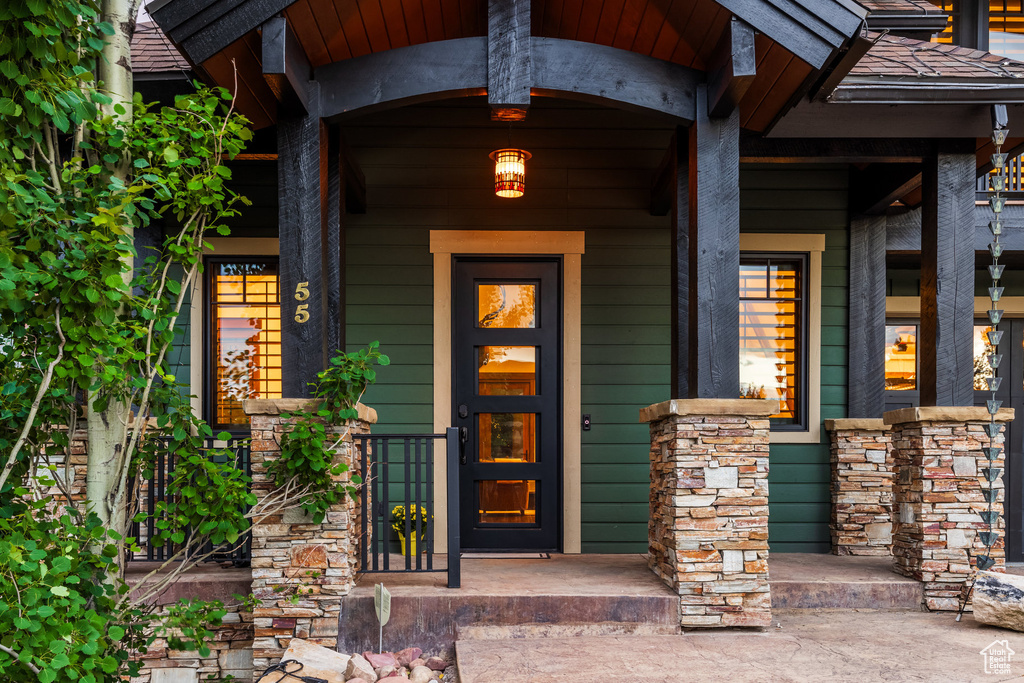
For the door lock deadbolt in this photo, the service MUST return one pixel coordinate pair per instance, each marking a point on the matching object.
(463, 411)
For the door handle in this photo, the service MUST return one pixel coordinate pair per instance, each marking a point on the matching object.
(463, 438)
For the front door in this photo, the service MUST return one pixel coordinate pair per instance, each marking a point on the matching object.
(507, 348)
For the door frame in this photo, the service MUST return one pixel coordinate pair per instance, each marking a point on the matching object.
(444, 244)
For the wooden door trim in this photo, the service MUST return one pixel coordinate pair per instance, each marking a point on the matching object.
(570, 246)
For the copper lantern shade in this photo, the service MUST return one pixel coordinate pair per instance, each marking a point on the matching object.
(510, 172)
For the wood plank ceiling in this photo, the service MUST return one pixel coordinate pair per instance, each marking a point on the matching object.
(680, 31)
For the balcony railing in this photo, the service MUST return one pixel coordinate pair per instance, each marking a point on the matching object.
(1014, 181)
(398, 470)
(152, 491)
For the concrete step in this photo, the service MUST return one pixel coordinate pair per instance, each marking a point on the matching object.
(435, 622)
(829, 582)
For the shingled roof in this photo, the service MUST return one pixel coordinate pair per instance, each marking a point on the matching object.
(152, 53)
(895, 56)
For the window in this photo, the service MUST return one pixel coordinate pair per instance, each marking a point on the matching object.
(244, 351)
(1005, 27)
(773, 328)
(901, 357)
(982, 349)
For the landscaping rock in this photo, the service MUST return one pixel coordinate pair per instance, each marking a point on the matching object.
(408, 655)
(386, 671)
(437, 664)
(316, 661)
(358, 667)
(417, 662)
(382, 659)
(999, 600)
(357, 680)
(422, 674)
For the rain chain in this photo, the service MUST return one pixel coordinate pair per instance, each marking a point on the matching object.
(997, 184)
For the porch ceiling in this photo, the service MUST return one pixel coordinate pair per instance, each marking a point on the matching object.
(684, 32)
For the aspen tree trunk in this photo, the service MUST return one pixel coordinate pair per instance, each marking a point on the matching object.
(107, 430)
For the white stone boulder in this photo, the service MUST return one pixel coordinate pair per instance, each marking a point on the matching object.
(317, 661)
(999, 600)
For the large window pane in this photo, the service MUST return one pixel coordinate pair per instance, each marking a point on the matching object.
(772, 346)
(245, 324)
(900, 357)
(982, 349)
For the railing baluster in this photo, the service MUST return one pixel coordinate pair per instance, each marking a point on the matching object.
(419, 522)
(385, 485)
(454, 531)
(431, 527)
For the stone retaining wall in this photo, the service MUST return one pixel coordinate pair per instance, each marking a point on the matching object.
(938, 498)
(708, 528)
(288, 550)
(862, 474)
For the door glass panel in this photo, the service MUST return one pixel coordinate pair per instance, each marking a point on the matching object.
(900, 357)
(508, 501)
(503, 305)
(507, 370)
(982, 348)
(508, 437)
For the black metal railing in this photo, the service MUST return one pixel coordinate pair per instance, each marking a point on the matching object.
(398, 470)
(152, 491)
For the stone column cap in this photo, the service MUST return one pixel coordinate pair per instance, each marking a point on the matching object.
(743, 407)
(862, 424)
(276, 406)
(945, 414)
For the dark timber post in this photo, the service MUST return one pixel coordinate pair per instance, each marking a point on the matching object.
(334, 253)
(947, 277)
(706, 256)
(509, 63)
(302, 227)
(866, 383)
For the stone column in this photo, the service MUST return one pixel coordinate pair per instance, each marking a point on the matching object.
(862, 473)
(300, 570)
(937, 494)
(708, 527)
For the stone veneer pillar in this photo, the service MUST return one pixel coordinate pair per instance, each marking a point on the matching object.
(289, 551)
(862, 474)
(937, 496)
(708, 526)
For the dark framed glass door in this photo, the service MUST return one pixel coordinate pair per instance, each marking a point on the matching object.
(507, 366)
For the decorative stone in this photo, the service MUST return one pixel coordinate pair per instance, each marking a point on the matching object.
(381, 659)
(939, 500)
(317, 661)
(408, 655)
(862, 472)
(358, 667)
(417, 662)
(436, 664)
(288, 550)
(422, 674)
(708, 527)
(999, 600)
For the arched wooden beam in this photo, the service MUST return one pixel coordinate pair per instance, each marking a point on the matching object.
(458, 68)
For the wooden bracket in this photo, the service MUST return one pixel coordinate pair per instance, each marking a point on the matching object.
(875, 188)
(509, 62)
(286, 67)
(732, 68)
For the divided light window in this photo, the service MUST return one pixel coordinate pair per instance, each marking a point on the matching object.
(244, 348)
(773, 334)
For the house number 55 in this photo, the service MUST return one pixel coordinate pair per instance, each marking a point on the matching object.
(301, 294)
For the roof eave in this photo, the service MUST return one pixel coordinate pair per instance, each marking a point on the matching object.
(946, 91)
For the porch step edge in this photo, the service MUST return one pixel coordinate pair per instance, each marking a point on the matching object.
(525, 631)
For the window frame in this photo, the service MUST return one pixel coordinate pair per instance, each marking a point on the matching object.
(895, 394)
(209, 394)
(801, 421)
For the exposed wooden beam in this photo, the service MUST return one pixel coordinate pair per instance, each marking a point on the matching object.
(875, 188)
(866, 380)
(757, 149)
(302, 181)
(509, 65)
(732, 68)
(903, 229)
(452, 68)
(706, 256)
(286, 67)
(208, 31)
(946, 341)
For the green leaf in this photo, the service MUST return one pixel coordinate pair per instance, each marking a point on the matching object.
(116, 633)
(59, 590)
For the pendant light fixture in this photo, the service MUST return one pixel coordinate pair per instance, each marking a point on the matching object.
(510, 170)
